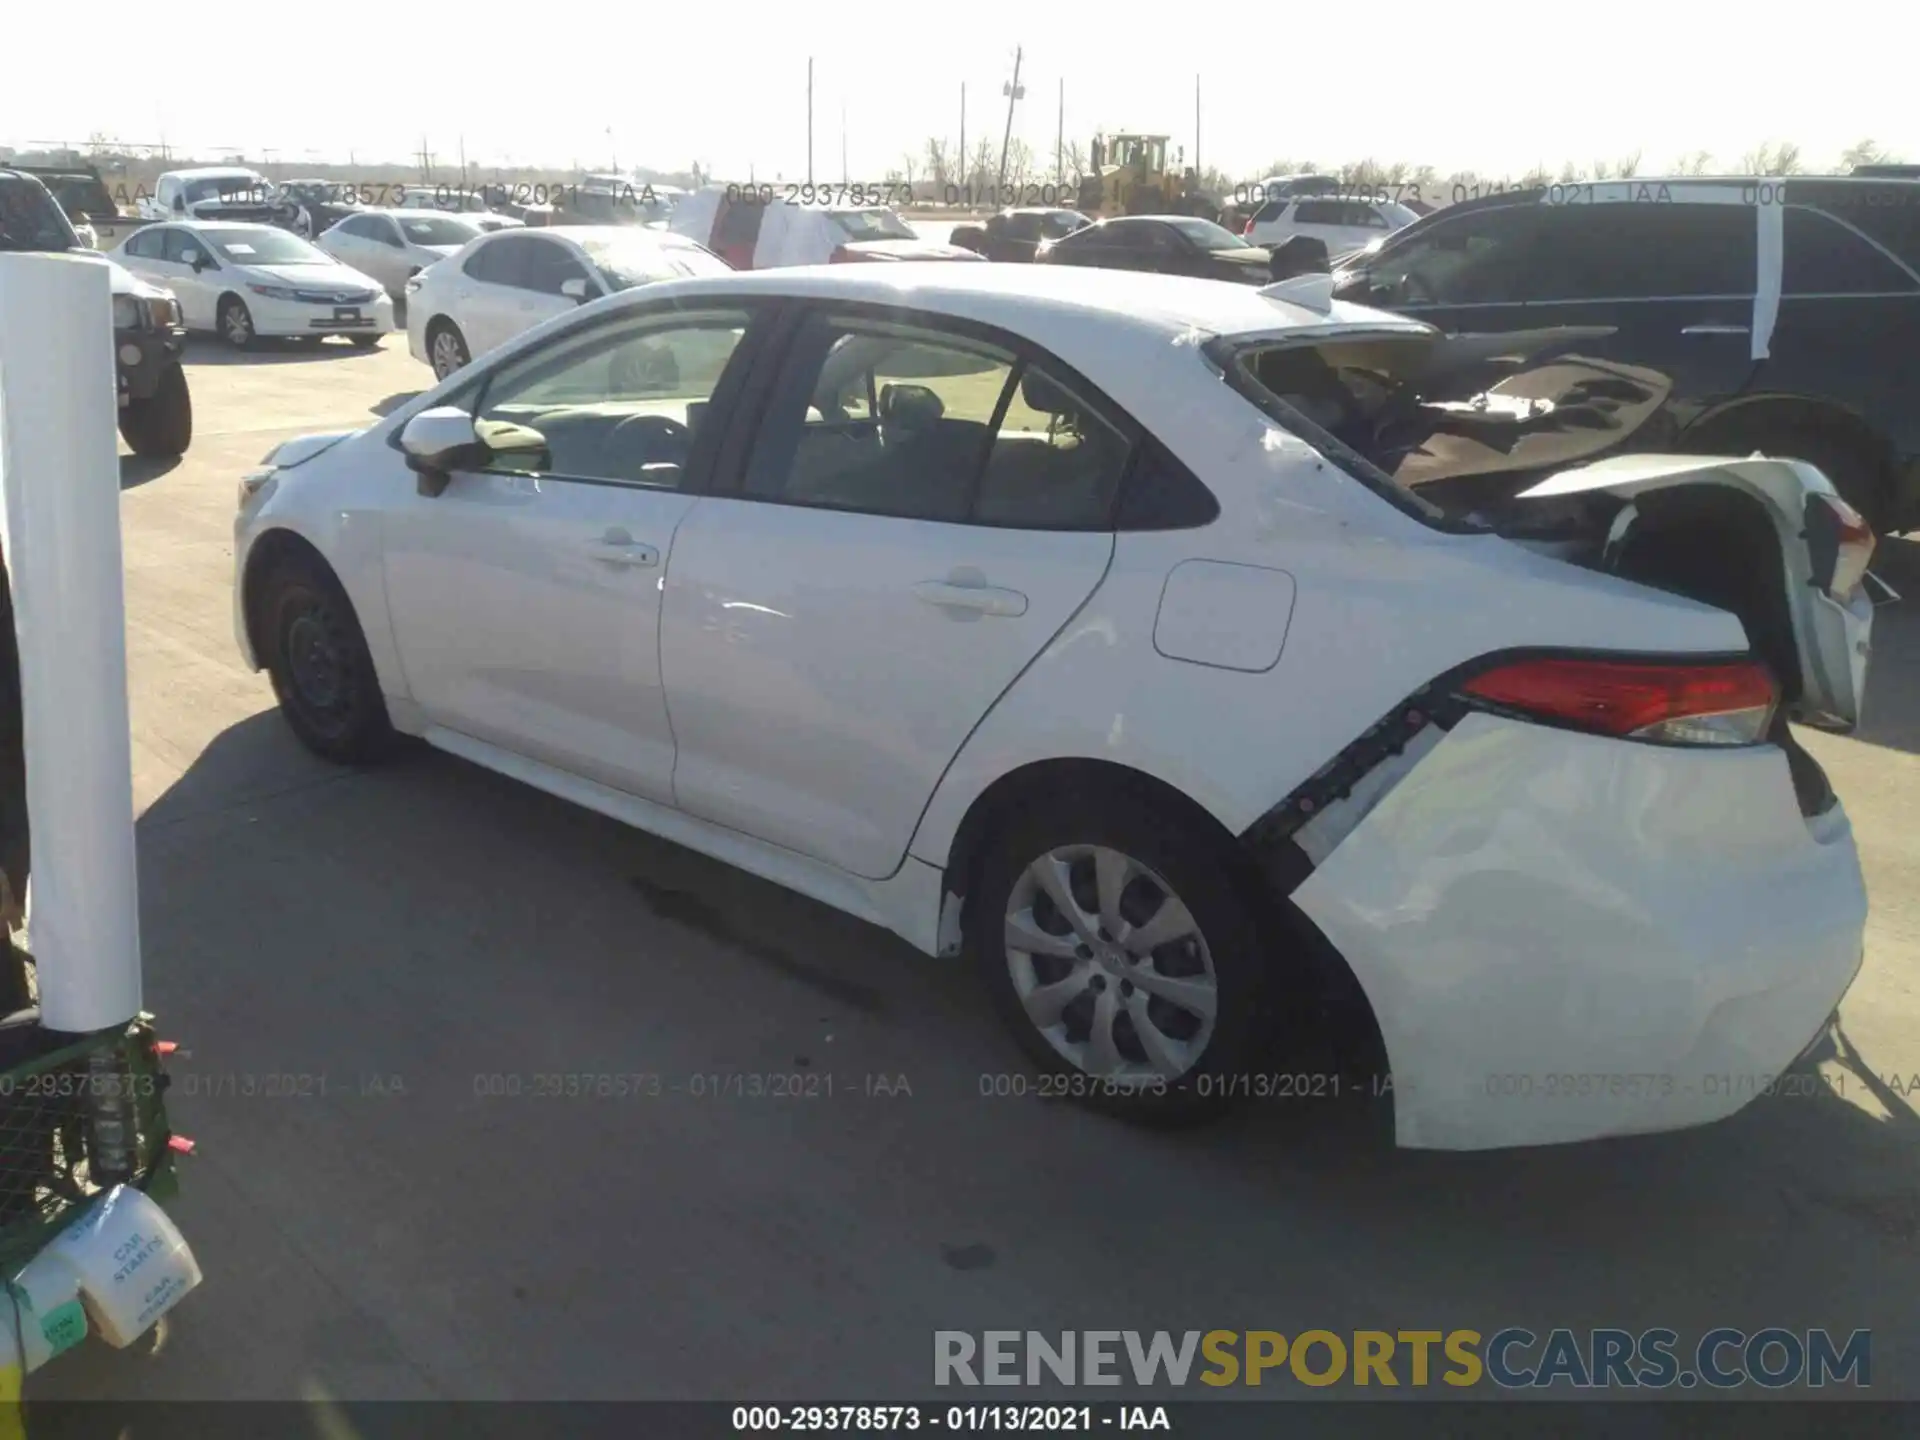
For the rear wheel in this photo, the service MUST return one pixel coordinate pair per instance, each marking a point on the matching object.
(1121, 950)
(316, 655)
(160, 426)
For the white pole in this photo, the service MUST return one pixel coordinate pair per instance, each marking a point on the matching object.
(60, 528)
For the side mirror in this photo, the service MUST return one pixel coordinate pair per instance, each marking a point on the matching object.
(439, 441)
(1299, 255)
(192, 257)
(575, 289)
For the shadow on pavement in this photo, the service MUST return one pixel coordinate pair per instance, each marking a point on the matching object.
(136, 471)
(392, 403)
(277, 350)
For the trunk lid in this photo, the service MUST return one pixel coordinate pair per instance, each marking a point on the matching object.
(1827, 608)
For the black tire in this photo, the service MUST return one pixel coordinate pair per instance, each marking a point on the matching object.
(364, 342)
(316, 656)
(160, 426)
(442, 332)
(1195, 865)
(235, 323)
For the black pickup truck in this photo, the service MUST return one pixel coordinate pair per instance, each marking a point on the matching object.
(156, 409)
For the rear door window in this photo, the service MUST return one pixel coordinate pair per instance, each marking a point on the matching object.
(1824, 257)
(1642, 251)
(1481, 258)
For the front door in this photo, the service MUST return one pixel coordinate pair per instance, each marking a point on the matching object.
(882, 565)
(526, 596)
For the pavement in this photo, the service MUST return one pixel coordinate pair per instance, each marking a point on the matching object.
(360, 965)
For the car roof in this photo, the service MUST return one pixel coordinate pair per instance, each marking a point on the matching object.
(214, 226)
(200, 171)
(1816, 183)
(581, 234)
(1030, 299)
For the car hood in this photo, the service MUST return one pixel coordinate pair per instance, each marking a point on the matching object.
(906, 250)
(312, 277)
(302, 448)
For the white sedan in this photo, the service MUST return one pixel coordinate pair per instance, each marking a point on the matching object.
(1075, 621)
(394, 245)
(244, 281)
(1340, 222)
(500, 285)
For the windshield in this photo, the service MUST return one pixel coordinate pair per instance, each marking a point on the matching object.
(627, 263)
(1209, 236)
(29, 220)
(873, 225)
(437, 229)
(263, 245)
(238, 189)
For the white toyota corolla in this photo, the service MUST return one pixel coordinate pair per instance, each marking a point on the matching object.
(1095, 625)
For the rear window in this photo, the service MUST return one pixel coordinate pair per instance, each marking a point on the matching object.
(438, 229)
(1824, 257)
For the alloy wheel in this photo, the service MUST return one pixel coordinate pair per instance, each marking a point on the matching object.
(447, 356)
(1110, 965)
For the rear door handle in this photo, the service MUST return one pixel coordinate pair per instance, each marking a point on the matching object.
(970, 599)
(1716, 330)
(618, 548)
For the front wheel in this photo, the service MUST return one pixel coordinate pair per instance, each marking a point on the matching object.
(447, 348)
(316, 655)
(236, 323)
(1121, 949)
(160, 426)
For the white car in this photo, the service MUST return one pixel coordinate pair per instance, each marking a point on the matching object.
(467, 205)
(217, 192)
(1027, 614)
(245, 281)
(393, 245)
(1342, 223)
(501, 285)
(754, 229)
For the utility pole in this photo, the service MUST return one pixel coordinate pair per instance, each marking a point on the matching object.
(1060, 140)
(1197, 171)
(843, 144)
(1013, 92)
(964, 175)
(809, 120)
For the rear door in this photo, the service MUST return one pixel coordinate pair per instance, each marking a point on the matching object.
(916, 517)
(500, 280)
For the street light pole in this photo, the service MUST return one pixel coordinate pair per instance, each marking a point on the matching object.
(809, 120)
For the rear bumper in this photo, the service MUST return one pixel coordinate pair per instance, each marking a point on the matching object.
(1565, 937)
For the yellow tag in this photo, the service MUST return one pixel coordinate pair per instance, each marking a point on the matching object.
(13, 1425)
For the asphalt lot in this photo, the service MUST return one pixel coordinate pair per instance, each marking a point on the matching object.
(399, 936)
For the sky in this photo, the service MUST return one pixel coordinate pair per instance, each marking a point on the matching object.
(596, 82)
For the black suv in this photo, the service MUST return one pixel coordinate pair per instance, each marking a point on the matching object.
(1777, 315)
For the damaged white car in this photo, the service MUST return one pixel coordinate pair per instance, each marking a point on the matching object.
(1198, 659)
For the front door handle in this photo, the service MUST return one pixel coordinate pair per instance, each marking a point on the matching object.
(963, 600)
(618, 548)
(1716, 330)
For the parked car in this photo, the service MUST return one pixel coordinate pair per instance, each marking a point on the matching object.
(1234, 722)
(1794, 348)
(242, 282)
(501, 285)
(1341, 223)
(218, 192)
(1164, 244)
(155, 404)
(755, 229)
(468, 206)
(1016, 234)
(394, 245)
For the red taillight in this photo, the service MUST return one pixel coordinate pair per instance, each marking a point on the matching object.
(1718, 703)
(1247, 229)
(1840, 542)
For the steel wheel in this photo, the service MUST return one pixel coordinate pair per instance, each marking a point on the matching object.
(448, 352)
(1110, 965)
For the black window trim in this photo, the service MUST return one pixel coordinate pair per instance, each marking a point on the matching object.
(728, 477)
(709, 441)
